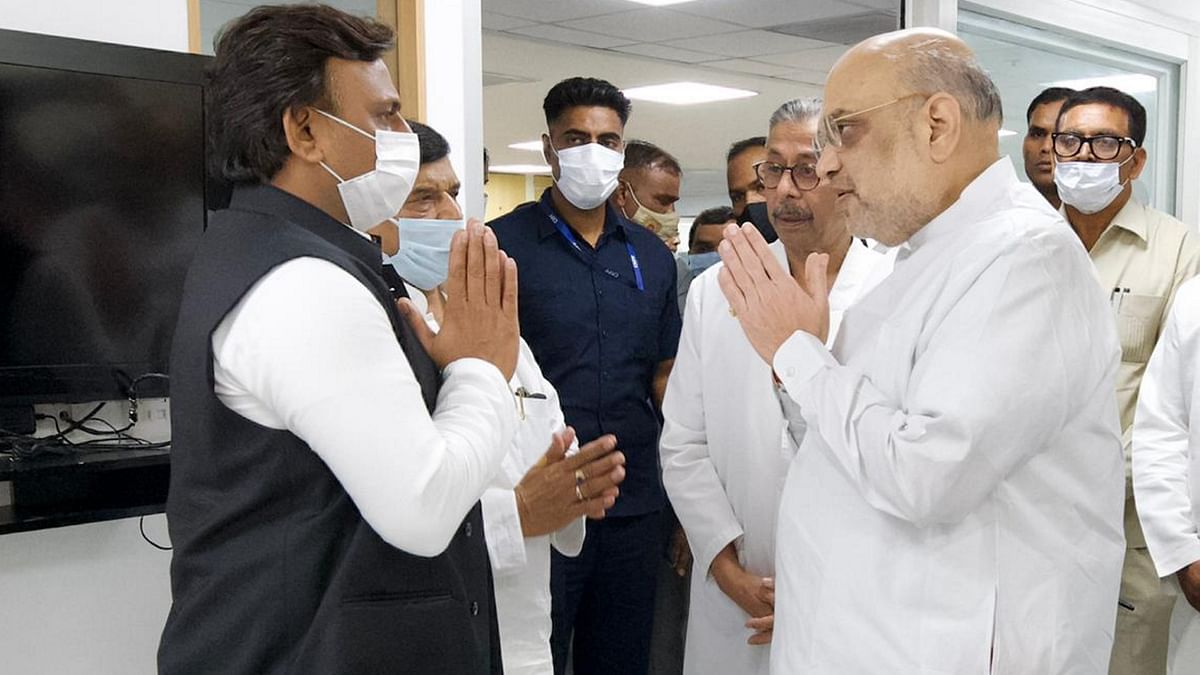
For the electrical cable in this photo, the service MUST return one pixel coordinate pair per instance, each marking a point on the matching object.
(142, 528)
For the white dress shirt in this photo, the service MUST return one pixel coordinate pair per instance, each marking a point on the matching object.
(521, 565)
(725, 451)
(310, 350)
(955, 505)
(1166, 464)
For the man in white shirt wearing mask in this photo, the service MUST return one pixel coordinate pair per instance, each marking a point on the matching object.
(1166, 470)
(534, 501)
(1142, 255)
(955, 504)
(724, 464)
(599, 312)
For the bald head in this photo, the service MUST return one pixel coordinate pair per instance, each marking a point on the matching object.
(914, 119)
(930, 60)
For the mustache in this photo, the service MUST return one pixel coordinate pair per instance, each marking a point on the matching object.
(792, 211)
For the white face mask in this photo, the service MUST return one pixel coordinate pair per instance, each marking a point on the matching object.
(423, 258)
(1089, 186)
(377, 195)
(588, 174)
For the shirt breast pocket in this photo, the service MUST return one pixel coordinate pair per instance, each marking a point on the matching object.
(635, 313)
(1138, 319)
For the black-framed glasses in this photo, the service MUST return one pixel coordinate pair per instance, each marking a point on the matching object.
(1103, 147)
(803, 175)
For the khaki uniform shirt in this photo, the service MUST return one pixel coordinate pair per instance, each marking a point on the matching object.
(1149, 253)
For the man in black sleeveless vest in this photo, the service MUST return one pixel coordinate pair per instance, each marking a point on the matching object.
(327, 463)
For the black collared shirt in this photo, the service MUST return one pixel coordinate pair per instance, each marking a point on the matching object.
(595, 335)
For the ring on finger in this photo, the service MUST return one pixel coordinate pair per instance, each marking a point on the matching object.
(580, 476)
(579, 493)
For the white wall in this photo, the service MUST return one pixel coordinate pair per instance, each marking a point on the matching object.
(90, 598)
(160, 24)
(454, 89)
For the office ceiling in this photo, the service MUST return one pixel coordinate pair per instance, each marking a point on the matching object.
(781, 49)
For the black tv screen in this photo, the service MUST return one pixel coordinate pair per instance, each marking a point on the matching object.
(102, 202)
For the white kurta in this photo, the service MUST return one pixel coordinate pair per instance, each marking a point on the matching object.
(520, 565)
(725, 451)
(955, 506)
(1166, 462)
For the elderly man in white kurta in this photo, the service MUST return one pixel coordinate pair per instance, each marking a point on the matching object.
(955, 505)
(724, 447)
(1166, 470)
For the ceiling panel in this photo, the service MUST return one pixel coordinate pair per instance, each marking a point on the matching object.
(764, 13)
(671, 53)
(747, 43)
(750, 67)
(651, 25)
(553, 11)
(809, 59)
(494, 21)
(576, 38)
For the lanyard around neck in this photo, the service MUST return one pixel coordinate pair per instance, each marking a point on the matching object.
(574, 243)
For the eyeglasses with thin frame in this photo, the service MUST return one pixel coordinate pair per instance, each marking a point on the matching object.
(804, 175)
(830, 131)
(1103, 147)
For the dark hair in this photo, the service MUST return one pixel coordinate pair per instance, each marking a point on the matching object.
(267, 62)
(717, 215)
(433, 144)
(1051, 95)
(584, 91)
(744, 145)
(1134, 111)
(646, 155)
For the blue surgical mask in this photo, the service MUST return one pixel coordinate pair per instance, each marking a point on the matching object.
(423, 258)
(698, 262)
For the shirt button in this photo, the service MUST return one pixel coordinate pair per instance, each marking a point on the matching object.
(467, 529)
(474, 609)
(791, 372)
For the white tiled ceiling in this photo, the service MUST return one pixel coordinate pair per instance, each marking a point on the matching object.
(650, 25)
(749, 44)
(742, 36)
(557, 33)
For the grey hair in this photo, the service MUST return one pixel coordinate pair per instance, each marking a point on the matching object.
(802, 110)
(931, 66)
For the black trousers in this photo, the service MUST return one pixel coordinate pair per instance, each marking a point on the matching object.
(603, 600)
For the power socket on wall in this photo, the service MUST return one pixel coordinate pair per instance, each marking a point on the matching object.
(154, 418)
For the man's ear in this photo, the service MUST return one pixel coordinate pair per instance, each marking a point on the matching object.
(297, 128)
(944, 118)
(1140, 158)
(549, 156)
(620, 196)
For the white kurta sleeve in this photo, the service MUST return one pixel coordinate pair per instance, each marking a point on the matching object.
(310, 345)
(1161, 431)
(986, 391)
(502, 523)
(691, 479)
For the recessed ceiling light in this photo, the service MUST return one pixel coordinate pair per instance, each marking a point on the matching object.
(532, 146)
(687, 93)
(1004, 133)
(660, 3)
(519, 168)
(1132, 83)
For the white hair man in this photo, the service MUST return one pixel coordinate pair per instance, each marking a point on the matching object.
(723, 464)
